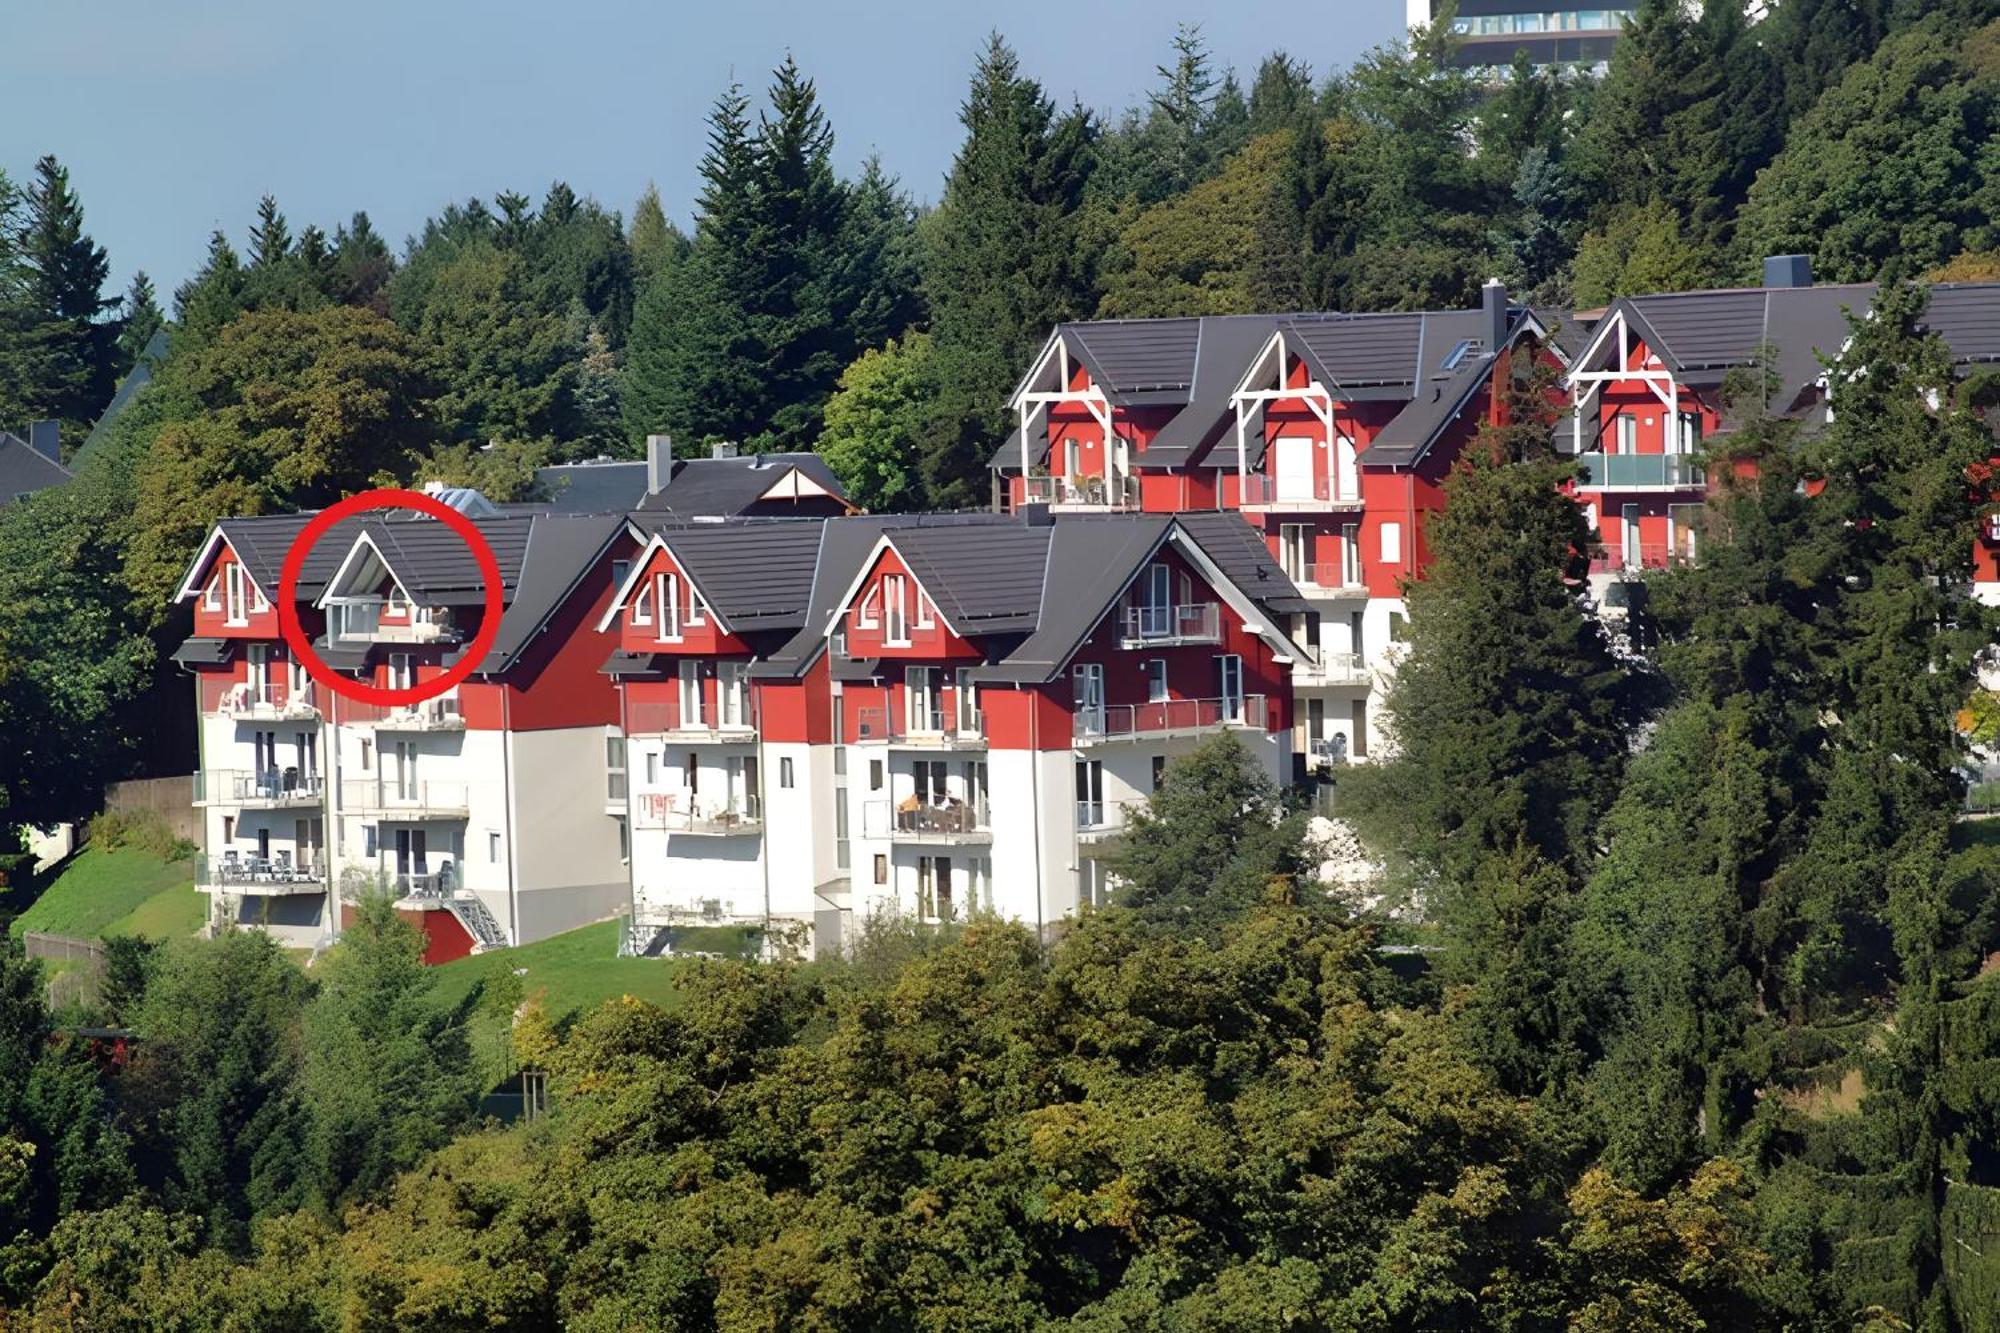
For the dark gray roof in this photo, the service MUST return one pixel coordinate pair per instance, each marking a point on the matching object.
(1702, 336)
(724, 487)
(23, 471)
(985, 581)
(1412, 431)
(559, 550)
(758, 573)
(204, 652)
(435, 566)
(1390, 350)
(261, 543)
(622, 663)
(1967, 316)
(138, 378)
(1135, 356)
(1238, 550)
(1228, 342)
(592, 488)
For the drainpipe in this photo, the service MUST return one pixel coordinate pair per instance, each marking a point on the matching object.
(1035, 805)
(763, 802)
(507, 815)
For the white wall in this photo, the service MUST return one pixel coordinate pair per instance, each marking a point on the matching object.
(566, 860)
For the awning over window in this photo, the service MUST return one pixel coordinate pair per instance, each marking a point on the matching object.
(204, 652)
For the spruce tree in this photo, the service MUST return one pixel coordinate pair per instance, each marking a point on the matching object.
(72, 352)
(213, 296)
(655, 242)
(1007, 257)
(140, 319)
(362, 265)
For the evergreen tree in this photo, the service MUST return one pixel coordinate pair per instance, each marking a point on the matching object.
(1180, 120)
(271, 238)
(1007, 256)
(141, 318)
(213, 296)
(656, 244)
(1281, 95)
(504, 369)
(72, 352)
(362, 265)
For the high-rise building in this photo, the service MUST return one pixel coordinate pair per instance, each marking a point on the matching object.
(1553, 32)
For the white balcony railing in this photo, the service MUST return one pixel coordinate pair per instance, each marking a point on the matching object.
(411, 798)
(1150, 626)
(676, 812)
(911, 820)
(1168, 717)
(359, 620)
(440, 714)
(940, 727)
(1081, 492)
(261, 788)
(1333, 576)
(1262, 492)
(1335, 669)
(272, 701)
(1633, 560)
(249, 873)
(731, 716)
(1639, 472)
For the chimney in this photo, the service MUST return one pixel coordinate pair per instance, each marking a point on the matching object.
(1493, 302)
(659, 462)
(722, 449)
(1788, 270)
(45, 438)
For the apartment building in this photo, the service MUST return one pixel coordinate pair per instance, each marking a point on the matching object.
(1330, 434)
(1492, 32)
(494, 811)
(927, 714)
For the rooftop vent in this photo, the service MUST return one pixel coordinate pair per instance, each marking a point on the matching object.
(722, 449)
(1788, 271)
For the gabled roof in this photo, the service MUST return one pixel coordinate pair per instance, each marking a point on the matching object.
(592, 488)
(725, 487)
(260, 544)
(137, 379)
(437, 568)
(755, 574)
(990, 583)
(23, 470)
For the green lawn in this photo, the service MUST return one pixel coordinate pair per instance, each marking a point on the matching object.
(569, 973)
(106, 892)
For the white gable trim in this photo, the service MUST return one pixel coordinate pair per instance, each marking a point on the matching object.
(192, 585)
(882, 544)
(636, 577)
(329, 597)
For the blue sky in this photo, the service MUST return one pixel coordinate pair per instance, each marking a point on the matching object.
(174, 118)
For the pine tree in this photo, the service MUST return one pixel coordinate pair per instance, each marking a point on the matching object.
(1181, 111)
(141, 319)
(72, 352)
(1281, 95)
(656, 244)
(214, 295)
(271, 238)
(362, 266)
(1007, 257)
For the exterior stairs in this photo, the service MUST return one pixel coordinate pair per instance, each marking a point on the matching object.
(478, 922)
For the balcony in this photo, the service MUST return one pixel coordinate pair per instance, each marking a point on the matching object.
(1148, 626)
(1169, 717)
(272, 701)
(1081, 492)
(735, 722)
(441, 714)
(360, 620)
(669, 812)
(1098, 823)
(1331, 578)
(911, 821)
(257, 789)
(405, 800)
(935, 730)
(1334, 669)
(1648, 556)
(1639, 472)
(1294, 493)
(258, 876)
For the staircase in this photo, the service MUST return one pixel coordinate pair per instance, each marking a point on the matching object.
(478, 922)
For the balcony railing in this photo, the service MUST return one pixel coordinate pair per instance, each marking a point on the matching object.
(1168, 717)
(360, 620)
(1638, 472)
(666, 717)
(1335, 669)
(275, 874)
(670, 812)
(268, 788)
(1081, 492)
(1262, 492)
(1649, 555)
(1333, 576)
(942, 728)
(440, 714)
(1148, 626)
(910, 820)
(273, 701)
(411, 799)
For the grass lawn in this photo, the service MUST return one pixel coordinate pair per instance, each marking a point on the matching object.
(103, 892)
(570, 973)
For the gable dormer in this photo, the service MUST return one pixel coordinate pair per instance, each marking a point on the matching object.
(229, 603)
(661, 608)
(888, 613)
(369, 601)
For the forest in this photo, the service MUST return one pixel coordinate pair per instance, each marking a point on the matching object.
(1680, 1007)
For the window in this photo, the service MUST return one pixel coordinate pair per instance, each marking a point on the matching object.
(697, 609)
(1159, 770)
(874, 775)
(926, 613)
(652, 768)
(366, 754)
(211, 598)
(1295, 551)
(624, 841)
(869, 614)
(693, 703)
(492, 847)
(1229, 684)
(620, 571)
(1087, 683)
(642, 606)
(370, 845)
(785, 773)
(923, 702)
(1360, 729)
(1392, 543)
(667, 596)
(1156, 680)
(614, 768)
(895, 611)
(402, 671)
(691, 773)
(1628, 433)
(259, 662)
(235, 597)
(732, 688)
(881, 868)
(967, 702)
(1089, 793)
(1690, 432)
(257, 602)
(1350, 555)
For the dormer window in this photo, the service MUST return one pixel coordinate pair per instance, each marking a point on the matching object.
(926, 613)
(211, 597)
(642, 606)
(697, 609)
(667, 597)
(895, 611)
(236, 597)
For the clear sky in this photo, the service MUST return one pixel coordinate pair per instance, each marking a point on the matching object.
(174, 118)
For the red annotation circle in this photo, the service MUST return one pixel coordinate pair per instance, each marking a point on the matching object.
(301, 645)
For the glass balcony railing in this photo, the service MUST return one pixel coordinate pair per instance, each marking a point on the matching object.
(916, 820)
(269, 787)
(1638, 472)
(679, 812)
(939, 726)
(1081, 492)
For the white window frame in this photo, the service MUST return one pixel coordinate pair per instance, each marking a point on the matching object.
(1392, 543)
(667, 600)
(1351, 575)
(1157, 691)
(1626, 431)
(864, 616)
(697, 609)
(926, 613)
(642, 604)
(895, 611)
(236, 602)
(694, 704)
(211, 597)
